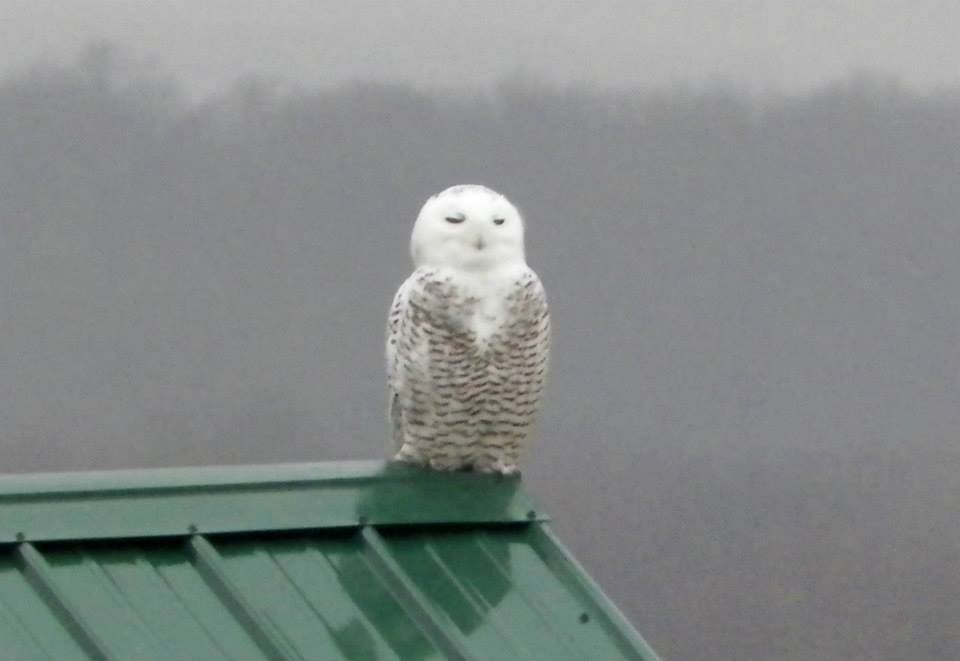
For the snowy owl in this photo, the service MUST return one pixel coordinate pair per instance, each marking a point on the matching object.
(467, 337)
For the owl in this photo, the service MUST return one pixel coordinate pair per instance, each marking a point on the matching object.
(468, 337)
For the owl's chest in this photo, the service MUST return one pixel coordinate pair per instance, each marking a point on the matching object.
(478, 311)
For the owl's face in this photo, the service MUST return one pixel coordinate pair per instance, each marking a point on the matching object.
(468, 227)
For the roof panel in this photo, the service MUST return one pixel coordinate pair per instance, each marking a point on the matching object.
(441, 586)
(281, 601)
(314, 602)
(86, 584)
(202, 604)
(501, 595)
(146, 601)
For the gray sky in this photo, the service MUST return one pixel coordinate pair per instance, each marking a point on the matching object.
(759, 43)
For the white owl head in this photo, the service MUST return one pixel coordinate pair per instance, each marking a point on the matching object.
(468, 227)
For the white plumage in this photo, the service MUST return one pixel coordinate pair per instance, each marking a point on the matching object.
(468, 336)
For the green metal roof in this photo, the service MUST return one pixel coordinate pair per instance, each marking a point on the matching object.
(362, 561)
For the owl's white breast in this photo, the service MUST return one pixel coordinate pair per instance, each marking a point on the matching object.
(487, 291)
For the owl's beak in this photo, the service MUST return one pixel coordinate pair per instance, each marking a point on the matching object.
(479, 244)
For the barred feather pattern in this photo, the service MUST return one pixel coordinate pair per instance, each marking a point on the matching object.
(466, 362)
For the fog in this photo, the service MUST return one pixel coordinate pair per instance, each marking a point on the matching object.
(611, 43)
(750, 435)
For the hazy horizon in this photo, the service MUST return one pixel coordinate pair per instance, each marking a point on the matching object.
(762, 45)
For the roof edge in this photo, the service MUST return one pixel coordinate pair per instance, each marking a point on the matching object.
(67, 482)
(226, 499)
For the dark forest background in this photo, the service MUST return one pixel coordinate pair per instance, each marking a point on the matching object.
(751, 434)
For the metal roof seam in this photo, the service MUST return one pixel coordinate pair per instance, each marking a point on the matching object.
(471, 597)
(40, 576)
(446, 638)
(531, 598)
(335, 571)
(186, 605)
(210, 566)
(318, 613)
(615, 622)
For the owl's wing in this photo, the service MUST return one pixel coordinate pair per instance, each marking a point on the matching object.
(537, 330)
(395, 318)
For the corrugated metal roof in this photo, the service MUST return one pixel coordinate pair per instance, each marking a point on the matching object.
(359, 561)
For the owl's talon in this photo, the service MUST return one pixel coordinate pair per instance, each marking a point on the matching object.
(408, 456)
(443, 465)
(498, 467)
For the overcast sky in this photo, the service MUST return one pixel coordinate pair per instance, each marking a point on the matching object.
(782, 44)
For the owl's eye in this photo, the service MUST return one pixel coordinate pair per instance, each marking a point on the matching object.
(455, 219)
(499, 221)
